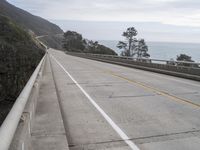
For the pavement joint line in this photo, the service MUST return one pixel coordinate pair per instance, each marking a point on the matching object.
(96, 143)
(157, 91)
(142, 138)
(107, 118)
(166, 135)
(187, 93)
(133, 96)
(48, 135)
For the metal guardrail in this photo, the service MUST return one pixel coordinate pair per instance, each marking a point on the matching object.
(145, 60)
(10, 124)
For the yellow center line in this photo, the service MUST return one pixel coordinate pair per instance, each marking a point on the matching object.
(155, 90)
(148, 88)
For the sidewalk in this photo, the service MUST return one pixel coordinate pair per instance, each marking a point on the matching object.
(48, 130)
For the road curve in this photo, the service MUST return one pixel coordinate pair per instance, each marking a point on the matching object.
(106, 106)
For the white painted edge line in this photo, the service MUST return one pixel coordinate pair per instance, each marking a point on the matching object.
(23, 146)
(108, 119)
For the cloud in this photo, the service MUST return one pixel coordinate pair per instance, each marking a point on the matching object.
(155, 20)
(176, 12)
(150, 31)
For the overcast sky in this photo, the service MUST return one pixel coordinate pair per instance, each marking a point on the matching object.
(156, 20)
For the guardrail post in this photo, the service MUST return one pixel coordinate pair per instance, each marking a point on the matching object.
(22, 137)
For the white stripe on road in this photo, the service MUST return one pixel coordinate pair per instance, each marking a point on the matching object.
(108, 119)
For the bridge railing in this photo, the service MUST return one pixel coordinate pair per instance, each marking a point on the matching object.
(145, 60)
(18, 114)
(190, 70)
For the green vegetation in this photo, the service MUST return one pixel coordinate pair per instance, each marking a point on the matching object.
(19, 53)
(132, 46)
(184, 57)
(183, 60)
(19, 56)
(74, 42)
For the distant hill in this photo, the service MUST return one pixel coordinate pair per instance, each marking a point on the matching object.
(34, 24)
(19, 56)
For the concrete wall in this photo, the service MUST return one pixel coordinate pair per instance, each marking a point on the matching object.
(179, 71)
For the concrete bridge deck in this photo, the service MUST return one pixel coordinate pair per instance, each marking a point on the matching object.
(85, 104)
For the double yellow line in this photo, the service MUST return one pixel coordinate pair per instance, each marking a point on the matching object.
(155, 90)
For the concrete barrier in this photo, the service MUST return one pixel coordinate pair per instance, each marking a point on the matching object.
(146, 64)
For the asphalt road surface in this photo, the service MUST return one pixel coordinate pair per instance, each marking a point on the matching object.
(110, 107)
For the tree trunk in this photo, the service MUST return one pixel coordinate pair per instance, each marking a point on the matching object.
(129, 48)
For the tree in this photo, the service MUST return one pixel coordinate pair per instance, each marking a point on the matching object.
(129, 45)
(73, 41)
(184, 57)
(141, 49)
(95, 47)
(132, 46)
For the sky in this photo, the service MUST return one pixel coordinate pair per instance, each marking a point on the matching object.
(155, 20)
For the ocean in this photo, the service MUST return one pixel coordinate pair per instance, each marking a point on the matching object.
(164, 50)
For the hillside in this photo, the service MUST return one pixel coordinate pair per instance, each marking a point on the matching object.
(53, 41)
(34, 24)
(19, 56)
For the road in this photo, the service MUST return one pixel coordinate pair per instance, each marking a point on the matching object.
(106, 106)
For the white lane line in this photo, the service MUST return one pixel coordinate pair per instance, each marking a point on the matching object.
(108, 119)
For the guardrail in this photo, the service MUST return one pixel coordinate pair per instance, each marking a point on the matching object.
(190, 70)
(145, 60)
(10, 124)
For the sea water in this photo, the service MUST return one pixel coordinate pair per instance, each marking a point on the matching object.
(164, 50)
